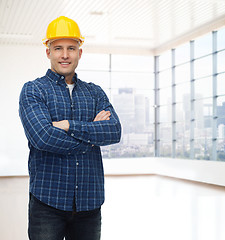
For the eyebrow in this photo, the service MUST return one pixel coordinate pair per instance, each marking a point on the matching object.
(66, 46)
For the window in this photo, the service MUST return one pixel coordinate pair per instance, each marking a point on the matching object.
(220, 62)
(203, 67)
(182, 54)
(191, 105)
(203, 46)
(221, 37)
(132, 84)
(129, 83)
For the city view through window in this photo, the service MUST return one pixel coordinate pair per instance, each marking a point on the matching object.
(171, 105)
(130, 86)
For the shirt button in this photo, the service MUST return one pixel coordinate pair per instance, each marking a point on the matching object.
(69, 153)
(88, 141)
(62, 77)
(83, 152)
(72, 134)
(72, 105)
(76, 187)
(77, 163)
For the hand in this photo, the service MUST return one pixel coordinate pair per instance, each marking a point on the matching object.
(64, 125)
(103, 115)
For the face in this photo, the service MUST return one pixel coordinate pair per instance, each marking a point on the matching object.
(64, 55)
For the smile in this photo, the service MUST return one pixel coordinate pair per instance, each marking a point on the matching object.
(64, 63)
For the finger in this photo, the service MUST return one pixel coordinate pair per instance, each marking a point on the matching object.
(103, 113)
(105, 116)
(106, 113)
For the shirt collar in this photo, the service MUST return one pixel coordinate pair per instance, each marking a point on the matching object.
(57, 78)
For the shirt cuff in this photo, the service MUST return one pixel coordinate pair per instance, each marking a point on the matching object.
(74, 129)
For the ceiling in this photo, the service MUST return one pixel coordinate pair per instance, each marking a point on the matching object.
(114, 26)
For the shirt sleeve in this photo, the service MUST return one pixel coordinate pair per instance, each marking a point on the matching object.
(38, 127)
(98, 133)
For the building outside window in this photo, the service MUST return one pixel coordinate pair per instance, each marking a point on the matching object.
(191, 99)
(129, 83)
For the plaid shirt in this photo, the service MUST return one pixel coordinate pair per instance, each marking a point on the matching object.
(64, 165)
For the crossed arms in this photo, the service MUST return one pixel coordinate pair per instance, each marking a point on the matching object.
(64, 124)
(66, 136)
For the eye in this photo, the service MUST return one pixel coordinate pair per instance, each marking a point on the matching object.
(57, 48)
(72, 48)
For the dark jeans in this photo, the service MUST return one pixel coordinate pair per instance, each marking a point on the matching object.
(48, 223)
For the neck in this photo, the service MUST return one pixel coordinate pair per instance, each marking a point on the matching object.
(69, 79)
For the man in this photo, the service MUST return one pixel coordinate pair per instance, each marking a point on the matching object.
(66, 121)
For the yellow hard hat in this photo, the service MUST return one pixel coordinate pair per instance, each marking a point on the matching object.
(63, 27)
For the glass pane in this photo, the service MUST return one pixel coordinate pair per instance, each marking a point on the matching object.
(132, 63)
(221, 84)
(182, 73)
(220, 110)
(203, 128)
(132, 80)
(165, 96)
(203, 87)
(180, 113)
(131, 146)
(100, 78)
(203, 45)
(182, 149)
(133, 109)
(220, 102)
(182, 54)
(133, 99)
(165, 139)
(221, 140)
(165, 114)
(183, 92)
(203, 107)
(183, 139)
(165, 150)
(220, 154)
(203, 149)
(221, 115)
(165, 60)
(165, 78)
(220, 39)
(203, 67)
(123, 96)
(221, 128)
(183, 131)
(94, 62)
(221, 61)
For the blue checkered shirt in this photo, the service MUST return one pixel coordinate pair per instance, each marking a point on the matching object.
(64, 166)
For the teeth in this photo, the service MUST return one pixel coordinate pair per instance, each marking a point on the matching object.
(65, 63)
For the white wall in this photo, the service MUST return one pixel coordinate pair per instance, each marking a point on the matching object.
(211, 172)
(18, 64)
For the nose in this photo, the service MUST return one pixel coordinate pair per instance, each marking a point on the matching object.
(65, 54)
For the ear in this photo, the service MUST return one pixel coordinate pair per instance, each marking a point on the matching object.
(80, 52)
(48, 52)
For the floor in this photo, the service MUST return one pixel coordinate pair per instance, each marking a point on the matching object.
(159, 208)
(136, 208)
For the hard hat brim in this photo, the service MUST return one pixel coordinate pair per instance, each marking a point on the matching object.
(45, 41)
